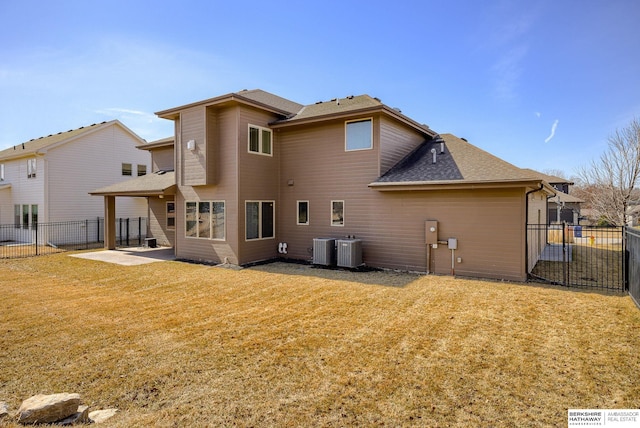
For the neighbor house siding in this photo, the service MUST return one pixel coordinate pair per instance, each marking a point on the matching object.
(72, 172)
(396, 141)
(23, 190)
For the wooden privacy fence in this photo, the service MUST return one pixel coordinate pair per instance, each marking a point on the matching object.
(47, 238)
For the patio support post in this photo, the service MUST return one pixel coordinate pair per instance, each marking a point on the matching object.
(110, 222)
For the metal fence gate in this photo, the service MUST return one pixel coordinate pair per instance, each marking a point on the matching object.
(577, 256)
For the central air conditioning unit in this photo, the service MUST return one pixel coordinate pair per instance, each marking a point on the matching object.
(349, 252)
(324, 251)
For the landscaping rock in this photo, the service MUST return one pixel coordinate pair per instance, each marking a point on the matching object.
(99, 416)
(48, 408)
(4, 409)
(81, 417)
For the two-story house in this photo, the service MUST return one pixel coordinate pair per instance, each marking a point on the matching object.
(47, 179)
(259, 177)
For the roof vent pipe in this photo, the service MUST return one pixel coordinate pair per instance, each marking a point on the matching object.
(442, 147)
(433, 152)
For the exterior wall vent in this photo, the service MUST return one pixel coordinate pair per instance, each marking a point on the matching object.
(349, 252)
(324, 251)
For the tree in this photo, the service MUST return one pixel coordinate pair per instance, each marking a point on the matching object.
(609, 185)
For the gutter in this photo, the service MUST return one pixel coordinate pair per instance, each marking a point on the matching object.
(526, 223)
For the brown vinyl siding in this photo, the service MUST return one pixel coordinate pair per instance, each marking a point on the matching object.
(225, 163)
(158, 221)
(396, 141)
(194, 165)
(162, 159)
(259, 180)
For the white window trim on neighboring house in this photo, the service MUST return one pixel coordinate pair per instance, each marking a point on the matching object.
(142, 170)
(127, 169)
(354, 137)
(260, 219)
(298, 205)
(260, 150)
(31, 168)
(338, 222)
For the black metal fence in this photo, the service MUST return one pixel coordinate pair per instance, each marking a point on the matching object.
(633, 263)
(578, 256)
(48, 238)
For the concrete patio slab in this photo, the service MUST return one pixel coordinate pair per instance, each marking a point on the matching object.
(129, 256)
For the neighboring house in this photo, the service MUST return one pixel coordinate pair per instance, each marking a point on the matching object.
(47, 179)
(563, 207)
(260, 177)
(158, 188)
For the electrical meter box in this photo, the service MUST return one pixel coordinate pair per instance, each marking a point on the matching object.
(431, 232)
(453, 244)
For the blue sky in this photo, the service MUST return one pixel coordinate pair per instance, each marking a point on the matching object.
(541, 83)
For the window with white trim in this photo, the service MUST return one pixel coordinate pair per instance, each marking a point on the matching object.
(260, 140)
(303, 213)
(25, 215)
(259, 220)
(205, 219)
(127, 169)
(359, 134)
(31, 168)
(337, 213)
(142, 170)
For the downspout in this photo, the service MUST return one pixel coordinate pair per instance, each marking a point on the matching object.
(526, 229)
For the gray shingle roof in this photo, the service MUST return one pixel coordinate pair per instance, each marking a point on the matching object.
(461, 162)
(270, 99)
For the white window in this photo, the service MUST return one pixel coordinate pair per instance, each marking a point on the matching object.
(31, 168)
(337, 213)
(126, 169)
(260, 140)
(24, 215)
(142, 170)
(171, 215)
(205, 219)
(359, 134)
(303, 212)
(259, 219)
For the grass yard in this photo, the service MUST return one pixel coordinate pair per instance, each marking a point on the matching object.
(176, 344)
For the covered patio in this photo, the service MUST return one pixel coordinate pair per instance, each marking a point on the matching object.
(157, 187)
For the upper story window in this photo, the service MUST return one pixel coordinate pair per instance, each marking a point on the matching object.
(127, 169)
(260, 140)
(31, 168)
(142, 170)
(1, 172)
(359, 134)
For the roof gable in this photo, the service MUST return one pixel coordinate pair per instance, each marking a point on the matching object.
(38, 145)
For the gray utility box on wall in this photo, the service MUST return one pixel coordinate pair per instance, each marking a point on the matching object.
(349, 252)
(324, 251)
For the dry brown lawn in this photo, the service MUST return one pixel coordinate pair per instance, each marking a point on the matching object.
(177, 344)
